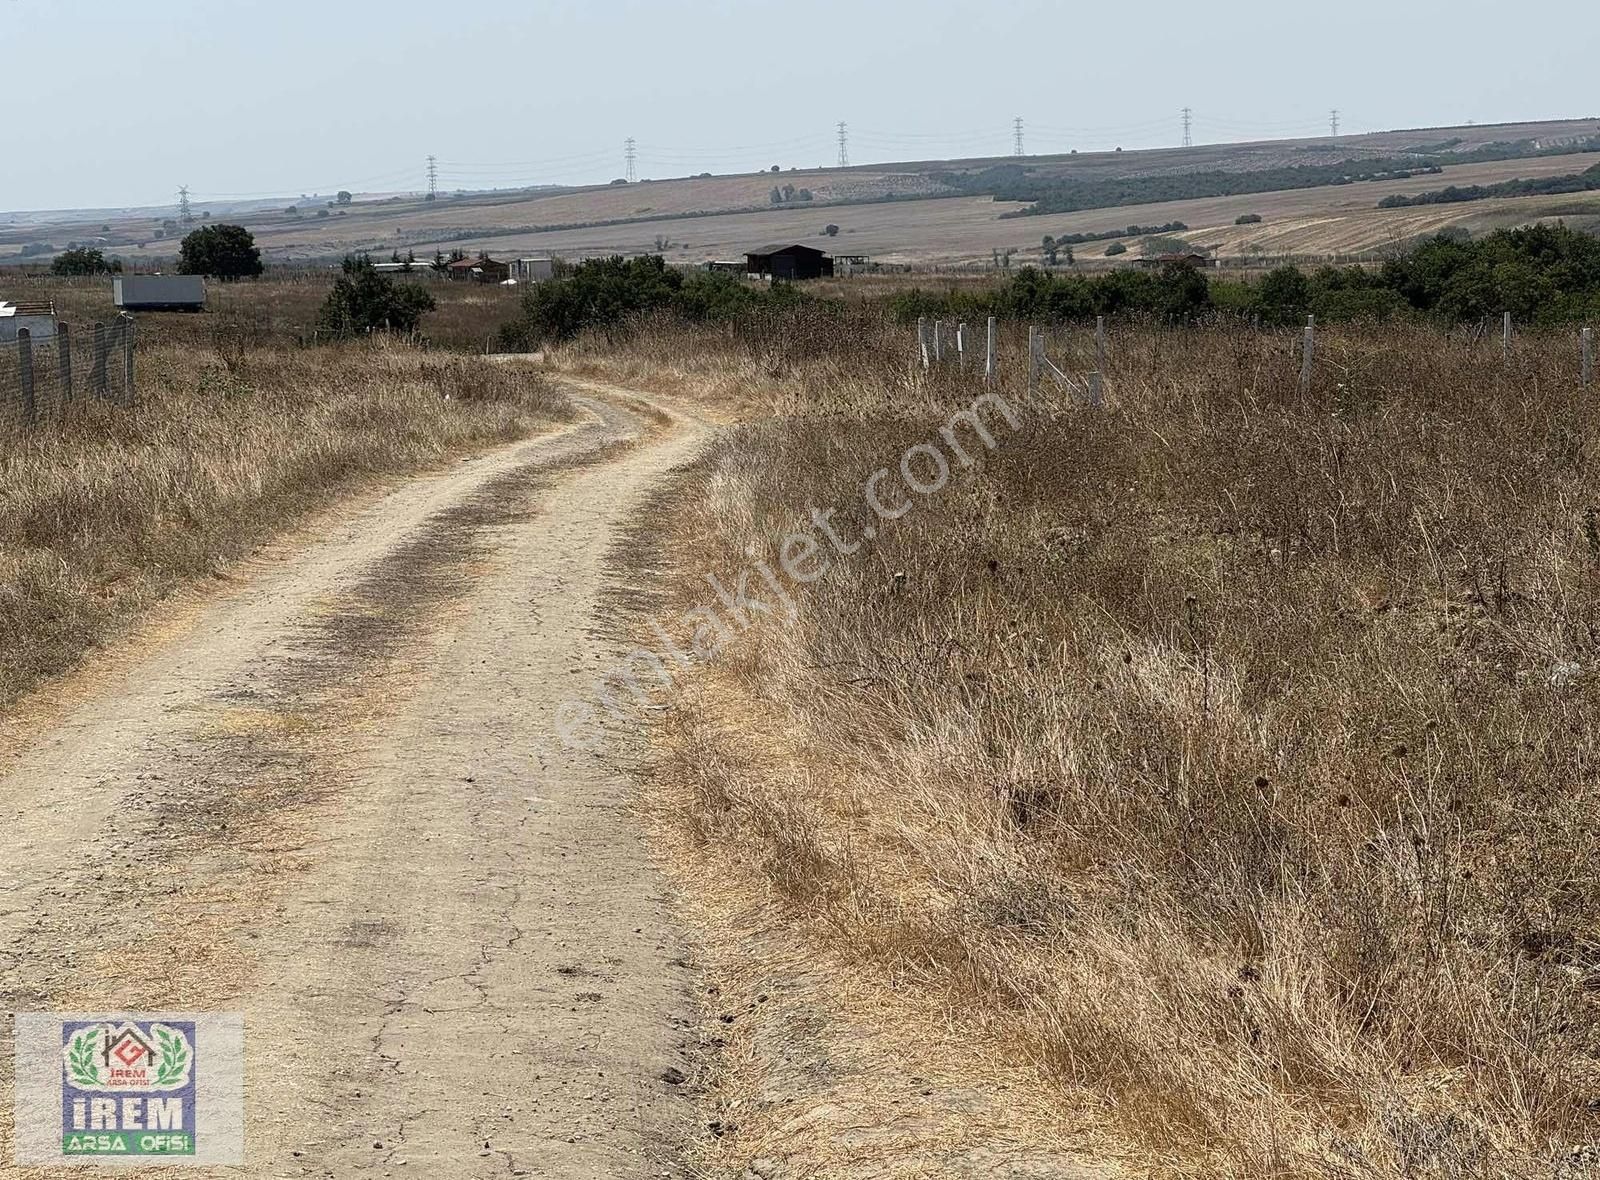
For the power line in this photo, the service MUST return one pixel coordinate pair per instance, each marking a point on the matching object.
(630, 156)
(1333, 122)
(844, 145)
(1188, 126)
(185, 212)
(1016, 143)
(433, 178)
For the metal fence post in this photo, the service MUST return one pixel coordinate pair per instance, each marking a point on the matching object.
(1033, 360)
(991, 353)
(127, 359)
(97, 379)
(1588, 357)
(1100, 343)
(1308, 353)
(25, 368)
(922, 340)
(961, 345)
(64, 361)
(1505, 338)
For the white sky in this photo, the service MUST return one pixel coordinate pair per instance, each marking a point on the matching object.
(117, 102)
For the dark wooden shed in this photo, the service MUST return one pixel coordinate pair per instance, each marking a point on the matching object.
(789, 262)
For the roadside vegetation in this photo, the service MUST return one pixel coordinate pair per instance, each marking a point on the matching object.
(1221, 755)
(113, 508)
(1577, 182)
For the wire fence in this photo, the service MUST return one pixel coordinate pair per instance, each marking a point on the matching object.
(43, 372)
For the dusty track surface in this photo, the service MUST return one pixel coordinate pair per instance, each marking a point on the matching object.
(330, 799)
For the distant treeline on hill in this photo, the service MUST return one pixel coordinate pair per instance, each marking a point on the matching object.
(1543, 186)
(1061, 194)
(1542, 275)
(1133, 231)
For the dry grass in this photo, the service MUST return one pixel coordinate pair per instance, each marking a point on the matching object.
(103, 513)
(1229, 755)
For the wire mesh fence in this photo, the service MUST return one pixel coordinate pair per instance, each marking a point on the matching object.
(43, 372)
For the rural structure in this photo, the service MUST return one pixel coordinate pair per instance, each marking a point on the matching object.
(793, 261)
(159, 292)
(482, 269)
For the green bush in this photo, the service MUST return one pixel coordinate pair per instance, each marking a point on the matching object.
(1115, 248)
(83, 261)
(362, 300)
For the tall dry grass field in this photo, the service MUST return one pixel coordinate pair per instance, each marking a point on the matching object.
(1228, 757)
(110, 508)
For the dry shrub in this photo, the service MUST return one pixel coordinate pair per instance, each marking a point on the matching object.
(105, 511)
(1230, 751)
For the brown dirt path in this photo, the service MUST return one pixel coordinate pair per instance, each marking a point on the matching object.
(332, 801)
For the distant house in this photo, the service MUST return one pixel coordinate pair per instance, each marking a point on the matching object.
(789, 262)
(533, 270)
(159, 292)
(478, 270)
(39, 318)
(1196, 261)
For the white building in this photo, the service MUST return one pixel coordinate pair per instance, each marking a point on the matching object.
(39, 318)
(533, 270)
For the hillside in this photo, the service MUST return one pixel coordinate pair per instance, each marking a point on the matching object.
(931, 212)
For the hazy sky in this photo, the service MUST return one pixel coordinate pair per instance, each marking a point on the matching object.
(117, 102)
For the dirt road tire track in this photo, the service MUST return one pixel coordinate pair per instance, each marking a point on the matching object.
(334, 802)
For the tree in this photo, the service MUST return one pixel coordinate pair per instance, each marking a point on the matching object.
(831, 230)
(776, 196)
(83, 261)
(344, 198)
(1050, 253)
(222, 251)
(363, 300)
(1115, 248)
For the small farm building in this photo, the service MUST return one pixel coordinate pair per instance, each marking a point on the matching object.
(159, 292)
(533, 270)
(38, 318)
(479, 270)
(789, 262)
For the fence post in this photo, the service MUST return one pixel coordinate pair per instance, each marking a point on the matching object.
(961, 345)
(991, 353)
(127, 359)
(1308, 354)
(1100, 343)
(1033, 361)
(1505, 338)
(938, 342)
(1588, 357)
(25, 368)
(922, 340)
(97, 377)
(64, 361)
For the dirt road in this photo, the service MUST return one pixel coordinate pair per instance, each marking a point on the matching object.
(329, 798)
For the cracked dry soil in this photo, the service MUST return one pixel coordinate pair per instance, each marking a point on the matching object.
(331, 800)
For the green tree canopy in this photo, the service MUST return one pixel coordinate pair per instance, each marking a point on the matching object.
(363, 300)
(83, 261)
(223, 251)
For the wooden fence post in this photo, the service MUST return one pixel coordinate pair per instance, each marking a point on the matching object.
(97, 378)
(1308, 352)
(64, 361)
(938, 342)
(1505, 338)
(922, 341)
(1034, 345)
(25, 368)
(127, 359)
(1588, 357)
(1100, 343)
(991, 353)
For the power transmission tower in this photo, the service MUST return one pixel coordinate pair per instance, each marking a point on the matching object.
(433, 178)
(1188, 126)
(630, 153)
(1333, 122)
(185, 213)
(1016, 143)
(844, 145)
